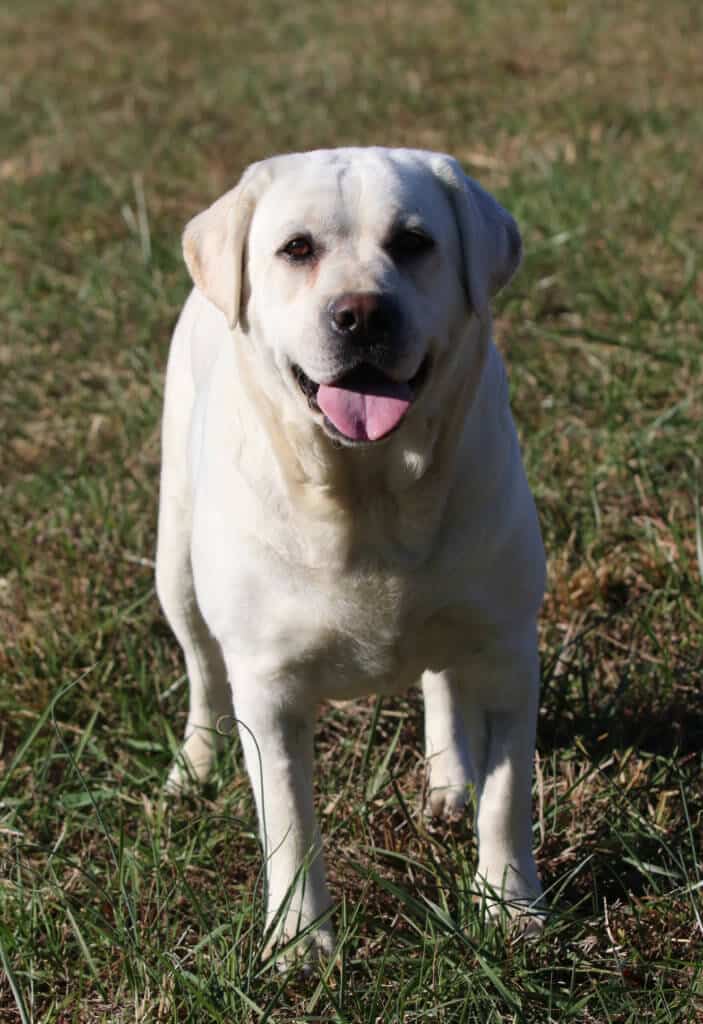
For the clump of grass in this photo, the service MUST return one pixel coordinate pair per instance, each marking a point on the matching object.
(118, 125)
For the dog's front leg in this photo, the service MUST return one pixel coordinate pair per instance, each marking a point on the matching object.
(506, 866)
(277, 740)
(448, 751)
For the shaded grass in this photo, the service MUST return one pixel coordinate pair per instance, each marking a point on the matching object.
(118, 123)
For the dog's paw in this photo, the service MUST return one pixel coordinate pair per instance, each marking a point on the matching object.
(302, 952)
(447, 794)
(527, 925)
(516, 902)
(180, 781)
(520, 918)
(192, 766)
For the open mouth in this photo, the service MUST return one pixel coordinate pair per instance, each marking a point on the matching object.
(364, 404)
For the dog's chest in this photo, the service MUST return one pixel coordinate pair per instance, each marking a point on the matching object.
(373, 633)
(343, 635)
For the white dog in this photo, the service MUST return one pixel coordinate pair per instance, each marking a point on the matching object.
(344, 509)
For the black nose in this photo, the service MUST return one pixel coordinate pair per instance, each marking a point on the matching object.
(364, 316)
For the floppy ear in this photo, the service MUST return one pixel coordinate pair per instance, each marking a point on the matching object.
(213, 244)
(490, 239)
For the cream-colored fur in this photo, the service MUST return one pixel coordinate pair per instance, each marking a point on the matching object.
(296, 568)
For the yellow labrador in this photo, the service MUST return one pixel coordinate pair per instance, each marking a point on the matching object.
(344, 509)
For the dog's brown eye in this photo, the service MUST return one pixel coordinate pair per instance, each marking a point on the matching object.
(299, 248)
(407, 244)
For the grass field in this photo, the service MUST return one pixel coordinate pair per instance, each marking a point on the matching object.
(117, 122)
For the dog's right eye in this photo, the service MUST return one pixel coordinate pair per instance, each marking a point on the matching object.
(408, 244)
(298, 249)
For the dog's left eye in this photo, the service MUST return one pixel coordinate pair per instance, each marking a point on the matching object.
(407, 244)
(298, 249)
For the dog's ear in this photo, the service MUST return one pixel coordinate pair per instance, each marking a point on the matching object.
(490, 239)
(214, 241)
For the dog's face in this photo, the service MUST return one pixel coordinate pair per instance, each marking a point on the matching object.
(355, 273)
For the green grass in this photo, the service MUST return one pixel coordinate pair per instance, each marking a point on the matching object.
(118, 122)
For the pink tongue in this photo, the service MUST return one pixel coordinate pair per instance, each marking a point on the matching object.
(361, 415)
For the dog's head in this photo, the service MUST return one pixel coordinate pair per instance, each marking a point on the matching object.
(355, 271)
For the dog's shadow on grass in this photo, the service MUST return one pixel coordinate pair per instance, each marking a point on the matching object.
(623, 731)
(660, 725)
(605, 698)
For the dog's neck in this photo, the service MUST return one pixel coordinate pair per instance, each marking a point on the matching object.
(356, 502)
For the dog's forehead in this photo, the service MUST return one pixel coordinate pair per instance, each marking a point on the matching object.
(350, 192)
